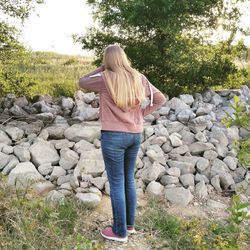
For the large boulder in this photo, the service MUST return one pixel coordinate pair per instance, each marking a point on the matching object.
(43, 152)
(179, 196)
(23, 175)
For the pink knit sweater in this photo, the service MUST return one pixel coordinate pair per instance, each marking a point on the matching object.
(112, 117)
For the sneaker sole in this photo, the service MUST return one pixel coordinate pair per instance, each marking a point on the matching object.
(114, 238)
(131, 231)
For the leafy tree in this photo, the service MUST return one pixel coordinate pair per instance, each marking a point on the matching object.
(168, 40)
(12, 52)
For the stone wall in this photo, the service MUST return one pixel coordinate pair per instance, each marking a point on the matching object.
(185, 151)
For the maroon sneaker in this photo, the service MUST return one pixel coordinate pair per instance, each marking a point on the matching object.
(108, 234)
(130, 229)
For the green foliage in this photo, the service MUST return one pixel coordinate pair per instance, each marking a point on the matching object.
(18, 8)
(28, 222)
(44, 73)
(241, 119)
(237, 212)
(168, 40)
(171, 232)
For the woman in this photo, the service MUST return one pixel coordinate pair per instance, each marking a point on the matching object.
(122, 92)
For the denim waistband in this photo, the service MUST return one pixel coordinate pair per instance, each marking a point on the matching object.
(121, 132)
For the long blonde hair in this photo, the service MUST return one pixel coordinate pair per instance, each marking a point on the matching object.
(124, 82)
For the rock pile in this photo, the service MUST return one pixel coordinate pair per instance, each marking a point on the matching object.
(185, 152)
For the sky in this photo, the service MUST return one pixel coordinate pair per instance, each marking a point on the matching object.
(49, 28)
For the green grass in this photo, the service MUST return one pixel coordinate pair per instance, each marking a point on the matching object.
(172, 232)
(55, 74)
(31, 223)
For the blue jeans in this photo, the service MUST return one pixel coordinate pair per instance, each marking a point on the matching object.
(119, 150)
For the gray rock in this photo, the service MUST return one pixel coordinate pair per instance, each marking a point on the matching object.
(63, 179)
(160, 130)
(204, 109)
(95, 190)
(219, 135)
(4, 160)
(89, 199)
(66, 185)
(187, 137)
(198, 124)
(218, 167)
(166, 147)
(148, 131)
(216, 99)
(23, 175)
(45, 168)
(17, 111)
(187, 180)
(188, 99)
(240, 187)
(176, 103)
(200, 147)
(11, 164)
(174, 127)
(55, 197)
(69, 159)
(57, 172)
(4, 138)
(167, 179)
(180, 150)
(158, 140)
(22, 153)
(78, 132)
(201, 137)
(74, 182)
(21, 101)
(231, 162)
(83, 146)
(174, 171)
(153, 172)
(90, 162)
(99, 182)
(154, 189)
(226, 180)
(43, 152)
(62, 143)
(202, 164)
(175, 140)
(210, 154)
(215, 181)
(156, 157)
(88, 97)
(179, 196)
(185, 115)
(185, 167)
(200, 177)
(42, 188)
(56, 131)
(14, 133)
(67, 103)
(46, 116)
(6, 149)
(201, 190)
(163, 111)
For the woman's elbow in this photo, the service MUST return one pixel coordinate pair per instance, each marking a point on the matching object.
(161, 99)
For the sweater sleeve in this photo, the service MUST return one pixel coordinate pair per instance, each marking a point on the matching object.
(92, 81)
(158, 97)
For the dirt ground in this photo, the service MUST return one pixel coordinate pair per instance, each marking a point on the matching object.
(102, 216)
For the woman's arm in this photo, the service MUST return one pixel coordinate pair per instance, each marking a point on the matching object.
(157, 98)
(93, 80)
